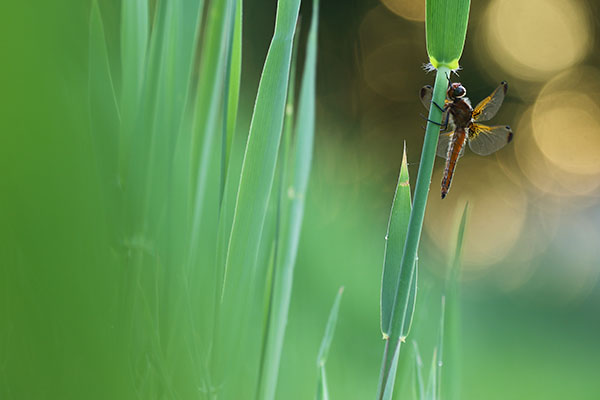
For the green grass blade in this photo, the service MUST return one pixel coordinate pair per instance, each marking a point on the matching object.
(397, 284)
(446, 29)
(209, 103)
(322, 392)
(440, 363)
(401, 310)
(451, 385)
(233, 83)
(134, 43)
(388, 388)
(274, 332)
(419, 386)
(258, 168)
(104, 110)
(256, 181)
(394, 246)
(330, 329)
(293, 211)
(433, 375)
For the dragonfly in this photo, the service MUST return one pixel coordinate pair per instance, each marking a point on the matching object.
(461, 124)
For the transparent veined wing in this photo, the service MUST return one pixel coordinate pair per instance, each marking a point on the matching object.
(426, 95)
(489, 106)
(485, 140)
(444, 143)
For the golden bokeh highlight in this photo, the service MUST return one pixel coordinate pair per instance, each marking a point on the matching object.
(557, 141)
(569, 134)
(565, 121)
(495, 201)
(545, 177)
(383, 49)
(535, 39)
(412, 10)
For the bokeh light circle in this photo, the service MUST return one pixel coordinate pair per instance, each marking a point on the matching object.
(498, 210)
(534, 39)
(412, 10)
(544, 176)
(565, 121)
(383, 47)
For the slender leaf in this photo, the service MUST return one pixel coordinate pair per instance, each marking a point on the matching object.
(440, 362)
(322, 392)
(396, 283)
(273, 342)
(330, 329)
(419, 386)
(209, 103)
(233, 82)
(256, 180)
(451, 385)
(394, 246)
(433, 375)
(134, 43)
(104, 111)
(293, 212)
(388, 389)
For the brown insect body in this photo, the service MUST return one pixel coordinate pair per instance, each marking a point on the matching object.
(466, 127)
(460, 117)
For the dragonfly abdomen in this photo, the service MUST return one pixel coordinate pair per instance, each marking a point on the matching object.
(458, 141)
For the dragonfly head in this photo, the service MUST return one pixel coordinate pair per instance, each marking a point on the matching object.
(456, 91)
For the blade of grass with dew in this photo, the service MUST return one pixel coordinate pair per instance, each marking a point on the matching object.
(419, 386)
(322, 392)
(104, 110)
(293, 212)
(443, 40)
(391, 277)
(256, 180)
(451, 385)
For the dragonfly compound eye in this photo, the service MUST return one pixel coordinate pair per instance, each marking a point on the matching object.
(460, 91)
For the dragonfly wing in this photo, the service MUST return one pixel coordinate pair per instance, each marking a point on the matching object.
(489, 106)
(485, 140)
(444, 144)
(426, 95)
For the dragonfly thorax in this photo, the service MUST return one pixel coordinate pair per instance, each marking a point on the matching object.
(460, 112)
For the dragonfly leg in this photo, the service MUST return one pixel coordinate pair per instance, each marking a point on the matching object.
(442, 126)
(442, 109)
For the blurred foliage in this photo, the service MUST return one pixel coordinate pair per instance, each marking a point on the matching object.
(530, 295)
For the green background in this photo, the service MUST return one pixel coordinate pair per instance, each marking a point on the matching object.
(58, 275)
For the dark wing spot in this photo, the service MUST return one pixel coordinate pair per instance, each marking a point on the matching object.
(424, 89)
(505, 84)
(510, 136)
